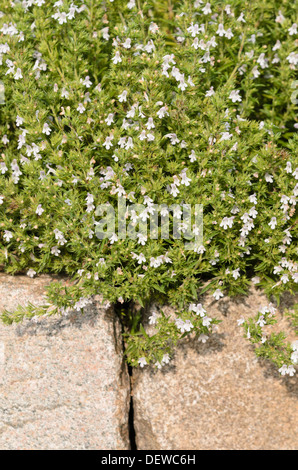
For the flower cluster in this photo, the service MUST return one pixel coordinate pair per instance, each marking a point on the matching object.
(271, 345)
(101, 106)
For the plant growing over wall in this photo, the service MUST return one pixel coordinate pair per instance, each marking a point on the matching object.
(104, 109)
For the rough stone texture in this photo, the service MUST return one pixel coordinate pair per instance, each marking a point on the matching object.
(63, 383)
(217, 395)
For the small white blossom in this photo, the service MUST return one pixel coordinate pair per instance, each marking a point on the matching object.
(217, 294)
(39, 210)
(142, 361)
(31, 273)
(235, 96)
(46, 129)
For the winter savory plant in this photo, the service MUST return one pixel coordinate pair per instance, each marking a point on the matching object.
(121, 124)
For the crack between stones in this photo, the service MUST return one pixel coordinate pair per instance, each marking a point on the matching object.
(131, 427)
(130, 417)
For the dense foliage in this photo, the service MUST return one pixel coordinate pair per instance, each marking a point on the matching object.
(156, 104)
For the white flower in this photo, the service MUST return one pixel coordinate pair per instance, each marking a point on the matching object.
(108, 142)
(275, 59)
(272, 224)
(87, 82)
(194, 29)
(123, 96)
(241, 18)
(142, 239)
(46, 129)
(183, 326)
(165, 359)
(64, 93)
(127, 43)
(18, 74)
(229, 34)
(113, 238)
(60, 237)
(153, 318)
(280, 18)
(174, 139)
(198, 309)
(192, 156)
(155, 262)
(262, 61)
(235, 96)
(150, 124)
(268, 178)
(207, 9)
(284, 278)
(283, 370)
(221, 31)
(207, 321)
(294, 357)
(289, 167)
(225, 136)
(210, 92)
(227, 222)
(253, 199)
(291, 371)
(105, 33)
(184, 179)
(19, 121)
(7, 235)
(261, 321)
(253, 212)
(150, 137)
(31, 273)
(277, 45)
(55, 251)
(293, 29)
(255, 72)
(153, 28)
(39, 210)
(162, 112)
(217, 294)
(81, 108)
(131, 4)
(200, 249)
(142, 361)
(142, 135)
(236, 273)
(129, 144)
(109, 119)
(116, 59)
(173, 190)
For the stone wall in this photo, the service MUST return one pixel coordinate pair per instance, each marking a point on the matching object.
(218, 395)
(63, 382)
(64, 385)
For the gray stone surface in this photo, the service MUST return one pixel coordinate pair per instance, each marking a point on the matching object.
(63, 383)
(217, 395)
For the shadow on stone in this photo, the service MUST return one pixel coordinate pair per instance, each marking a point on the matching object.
(271, 371)
(54, 325)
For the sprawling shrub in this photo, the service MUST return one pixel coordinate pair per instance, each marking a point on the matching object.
(107, 114)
